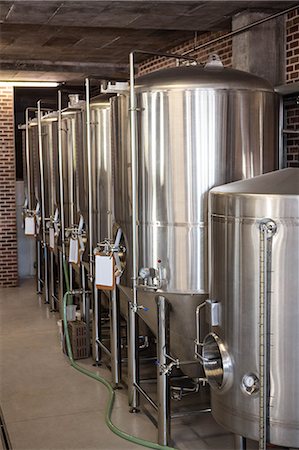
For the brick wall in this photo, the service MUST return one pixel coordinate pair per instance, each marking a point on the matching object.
(223, 49)
(292, 140)
(292, 46)
(292, 75)
(8, 226)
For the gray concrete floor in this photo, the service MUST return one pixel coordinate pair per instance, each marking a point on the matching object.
(48, 405)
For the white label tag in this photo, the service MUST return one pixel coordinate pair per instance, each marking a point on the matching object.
(74, 251)
(52, 238)
(105, 272)
(30, 226)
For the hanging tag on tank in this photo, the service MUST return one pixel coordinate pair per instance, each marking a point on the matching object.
(30, 226)
(74, 255)
(51, 238)
(105, 278)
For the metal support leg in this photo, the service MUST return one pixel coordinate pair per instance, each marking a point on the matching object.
(115, 337)
(133, 369)
(39, 269)
(163, 390)
(85, 301)
(61, 282)
(240, 442)
(84, 296)
(96, 322)
(71, 276)
(52, 281)
(46, 274)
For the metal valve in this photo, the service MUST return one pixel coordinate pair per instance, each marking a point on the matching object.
(250, 383)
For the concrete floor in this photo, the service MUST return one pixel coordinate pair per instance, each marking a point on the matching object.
(48, 405)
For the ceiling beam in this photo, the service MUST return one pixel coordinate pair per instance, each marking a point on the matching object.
(95, 70)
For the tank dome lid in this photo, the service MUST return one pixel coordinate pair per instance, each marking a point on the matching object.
(202, 78)
(274, 195)
(279, 182)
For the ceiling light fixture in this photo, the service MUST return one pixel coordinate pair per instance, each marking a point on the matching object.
(30, 84)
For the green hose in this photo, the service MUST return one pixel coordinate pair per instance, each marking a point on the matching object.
(110, 403)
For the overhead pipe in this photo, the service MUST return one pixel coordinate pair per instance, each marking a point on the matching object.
(239, 30)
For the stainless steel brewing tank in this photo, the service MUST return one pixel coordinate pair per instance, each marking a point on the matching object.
(75, 179)
(197, 128)
(236, 211)
(101, 170)
(34, 162)
(49, 124)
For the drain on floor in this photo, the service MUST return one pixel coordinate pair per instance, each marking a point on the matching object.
(4, 433)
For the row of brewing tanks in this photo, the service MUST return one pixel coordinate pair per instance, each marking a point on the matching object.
(204, 284)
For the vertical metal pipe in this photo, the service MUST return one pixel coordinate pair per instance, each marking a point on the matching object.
(132, 316)
(163, 392)
(61, 281)
(90, 196)
(96, 324)
(85, 300)
(82, 270)
(267, 230)
(115, 337)
(133, 367)
(52, 283)
(61, 195)
(42, 181)
(28, 160)
(133, 129)
(61, 186)
(39, 271)
(240, 442)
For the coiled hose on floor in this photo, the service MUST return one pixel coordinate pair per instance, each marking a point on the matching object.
(110, 403)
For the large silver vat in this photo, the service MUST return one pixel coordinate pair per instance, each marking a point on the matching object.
(197, 128)
(34, 165)
(50, 163)
(74, 165)
(237, 282)
(101, 171)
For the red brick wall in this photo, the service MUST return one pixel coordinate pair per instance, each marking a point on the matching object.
(223, 49)
(292, 46)
(8, 225)
(292, 75)
(292, 140)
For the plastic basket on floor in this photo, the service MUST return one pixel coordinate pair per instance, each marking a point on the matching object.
(79, 339)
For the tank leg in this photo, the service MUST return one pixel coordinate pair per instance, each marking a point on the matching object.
(71, 276)
(83, 305)
(96, 321)
(52, 281)
(46, 273)
(133, 375)
(38, 263)
(85, 301)
(115, 337)
(162, 378)
(61, 282)
(240, 442)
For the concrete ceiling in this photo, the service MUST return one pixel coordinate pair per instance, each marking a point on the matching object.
(66, 41)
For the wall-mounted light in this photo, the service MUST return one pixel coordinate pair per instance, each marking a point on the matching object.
(30, 84)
